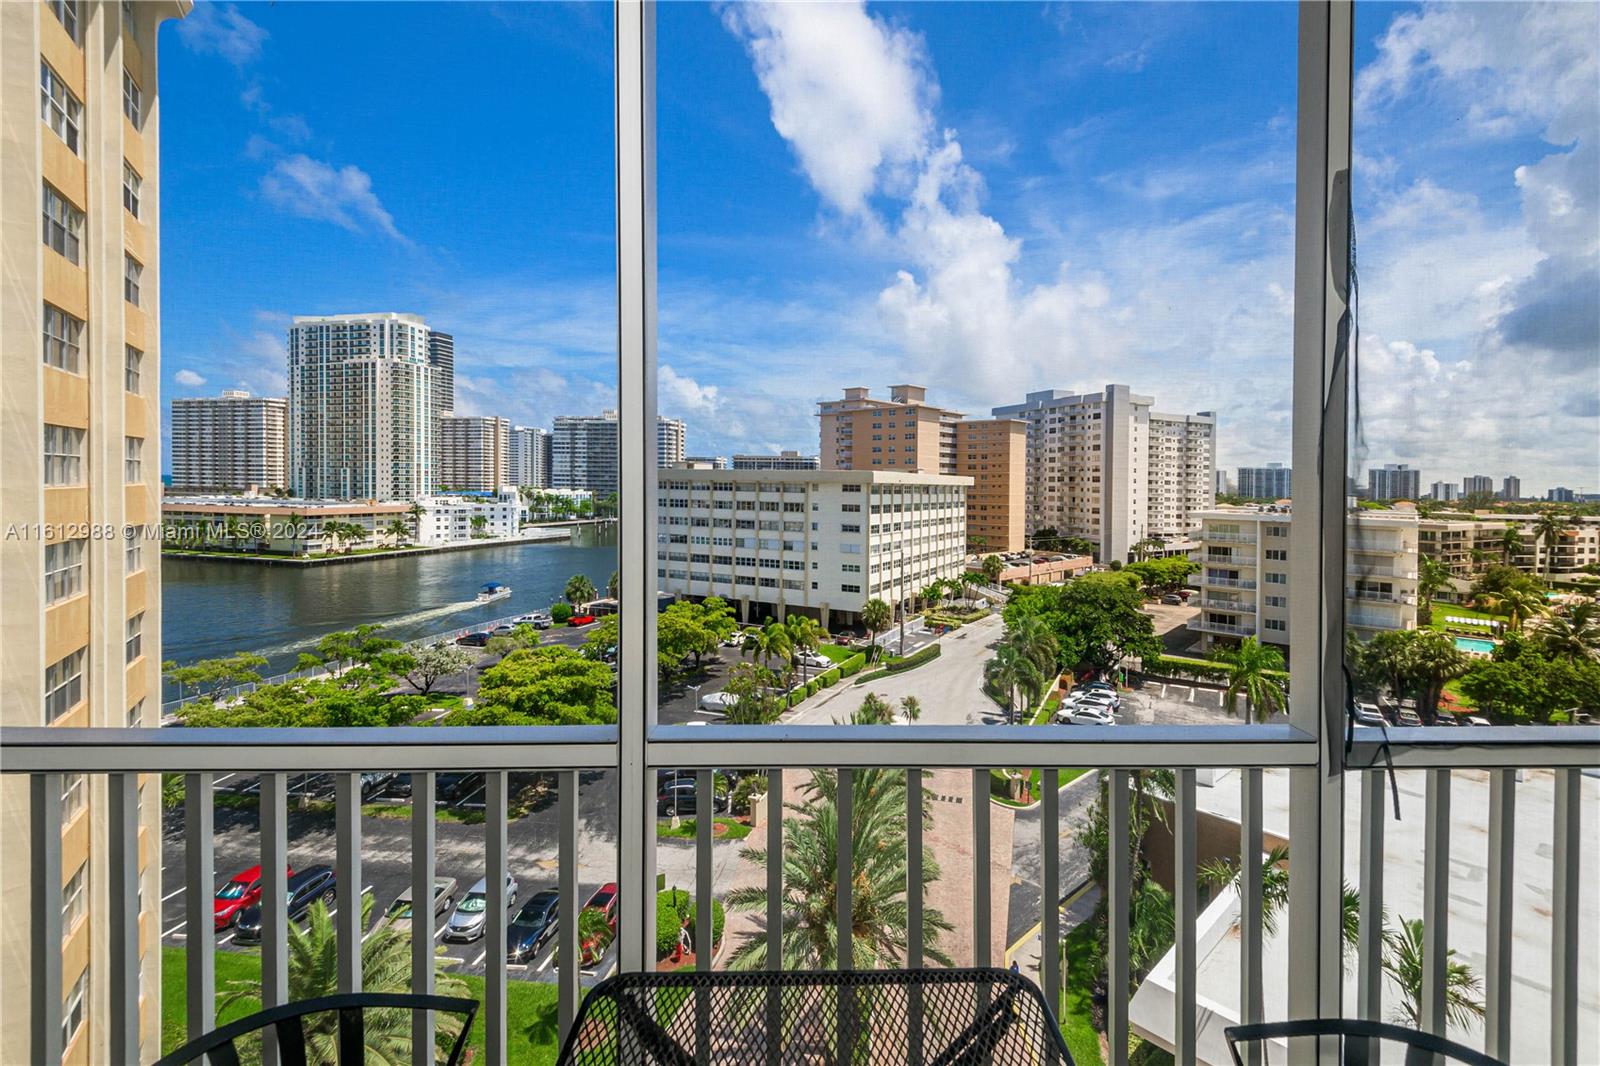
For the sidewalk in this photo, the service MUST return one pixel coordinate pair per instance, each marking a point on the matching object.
(1075, 909)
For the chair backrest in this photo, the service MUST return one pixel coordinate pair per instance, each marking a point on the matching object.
(287, 1022)
(1360, 1040)
(958, 1017)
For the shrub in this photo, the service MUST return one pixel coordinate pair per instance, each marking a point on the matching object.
(752, 785)
(916, 658)
(851, 666)
(827, 679)
(672, 907)
(560, 613)
(718, 920)
(811, 688)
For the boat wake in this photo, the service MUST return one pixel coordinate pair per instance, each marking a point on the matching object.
(395, 624)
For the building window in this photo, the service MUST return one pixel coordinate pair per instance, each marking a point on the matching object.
(134, 554)
(74, 902)
(63, 569)
(132, 271)
(63, 224)
(72, 1008)
(132, 99)
(63, 339)
(1275, 624)
(136, 715)
(63, 686)
(133, 363)
(131, 184)
(74, 796)
(134, 644)
(63, 455)
(67, 12)
(133, 459)
(60, 110)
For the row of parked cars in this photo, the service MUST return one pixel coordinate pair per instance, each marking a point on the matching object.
(1095, 703)
(532, 926)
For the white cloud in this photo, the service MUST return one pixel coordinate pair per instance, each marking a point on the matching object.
(188, 378)
(221, 30)
(313, 189)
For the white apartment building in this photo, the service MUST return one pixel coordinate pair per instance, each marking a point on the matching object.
(1467, 543)
(1394, 481)
(1444, 490)
(1107, 467)
(361, 407)
(1270, 482)
(233, 441)
(671, 439)
(1477, 485)
(1244, 574)
(474, 453)
(529, 462)
(823, 542)
(784, 460)
(450, 519)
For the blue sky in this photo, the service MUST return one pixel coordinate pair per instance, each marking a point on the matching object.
(983, 198)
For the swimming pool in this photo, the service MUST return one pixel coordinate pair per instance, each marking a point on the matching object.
(1473, 644)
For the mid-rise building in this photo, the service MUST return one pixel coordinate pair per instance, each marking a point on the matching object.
(671, 438)
(1244, 574)
(704, 462)
(230, 442)
(474, 453)
(1270, 482)
(1223, 486)
(823, 542)
(1444, 491)
(442, 357)
(907, 433)
(1467, 544)
(1106, 467)
(1561, 494)
(784, 460)
(80, 412)
(1511, 488)
(453, 519)
(529, 464)
(362, 416)
(289, 526)
(1477, 485)
(1394, 481)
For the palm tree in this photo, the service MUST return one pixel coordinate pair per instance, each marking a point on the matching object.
(1510, 542)
(874, 710)
(478, 523)
(579, 590)
(1032, 636)
(1010, 671)
(772, 641)
(1249, 675)
(878, 913)
(1574, 635)
(1403, 963)
(912, 707)
(1431, 660)
(614, 585)
(992, 566)
(1433, 575)
(876, 616)
(1550, 527)
(805, 634)
(385, 967)
(1518, 605)
(399, 530)
(931, 595)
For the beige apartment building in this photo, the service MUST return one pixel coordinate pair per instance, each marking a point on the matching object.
(474, 453)
(234, 442)
(906, 433)
(80, 641)
(1468, 544)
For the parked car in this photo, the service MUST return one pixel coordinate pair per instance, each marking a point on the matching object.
(444, 901)
(1097, 686)
(503, 630)
(678, 797)
(376, 784)
(812, 660)
(241, 892)
(721, 702)
(1093, 697)
(1368, 714)
(1086, 715)
(457, 788)
(305, 888)
(471, 918)
(735, 640)
(1475, 720)
(533, 926)
(473, 640)
(604, 900)
(1407, 717)
(581, 620)
(538, 620)
(1172, 599)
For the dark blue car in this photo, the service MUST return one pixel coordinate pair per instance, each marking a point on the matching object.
(305, 888)
(533, 926)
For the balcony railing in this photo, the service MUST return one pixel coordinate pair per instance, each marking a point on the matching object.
(1229, 605)
(1379, 596)
(1228, 582)
(1213, 537)
(1368, 620)
(1196, 754)
(1230, 560)
(1206, 625)
(1363, 568)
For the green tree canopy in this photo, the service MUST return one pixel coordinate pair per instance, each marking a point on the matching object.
(208, 676)
(1098, 619)
(551, 685)
(579, 590)
(1161, 575)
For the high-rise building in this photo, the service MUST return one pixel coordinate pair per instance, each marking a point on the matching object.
(442, 357)
(230, 442)
(1560, 494)
(1270, 482)
(1444, 490)
(1477, 485)
(474, 453)
(80, 412)
(1511, 488)
(670, 440)
(907, 433)
(1223, 487)
(784, 460)
(1106, 467)
(529, 464)
(583, 453)
(829, 548)
(1394, 481)
(361, 412)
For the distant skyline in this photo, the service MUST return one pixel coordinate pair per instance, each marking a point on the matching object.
(983, 199)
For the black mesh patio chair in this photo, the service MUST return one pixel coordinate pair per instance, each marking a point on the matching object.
(287, 1022)
(1360, 1042)
(864, 1017)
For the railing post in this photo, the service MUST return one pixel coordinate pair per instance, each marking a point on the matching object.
(774, 911)
(1436, 902)
(636, 429)
(1186, 912)
(1251, 991)
(704, 935)
(422, 913)
(494, 923)
(123, 829)
(844, 913)
(982, 952)
(1118, 890)
(200, 954)
(1565, 849)
(567, 937)
(273, 800)
(45, 858)
(914, 907)
(1369, 947)
(1050, 894)
(347, 875)
(1497, 954)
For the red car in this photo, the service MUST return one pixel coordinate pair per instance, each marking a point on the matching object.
(604, 900)
(242, 892)
(581, 620)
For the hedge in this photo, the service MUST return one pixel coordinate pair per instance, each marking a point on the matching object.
(853, 665)
(1198, 669)
(560, 613)
(669, 904)
(910, 662)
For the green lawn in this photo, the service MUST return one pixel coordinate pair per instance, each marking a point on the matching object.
(837, 652)
(735, 830)
(1077, 1010)
(530, 1006)
(1440, 610)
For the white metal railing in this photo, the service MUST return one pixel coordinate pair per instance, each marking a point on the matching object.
(1379, 596)
(1362, 568)
(1366, 620)
(1210, 536)
(1228, 582)
(1206, 625)
(1230, 560)
(1229, 605)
